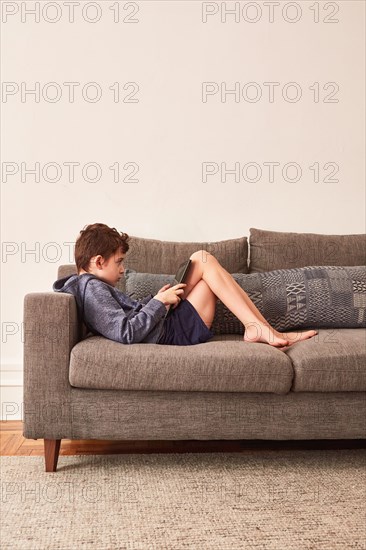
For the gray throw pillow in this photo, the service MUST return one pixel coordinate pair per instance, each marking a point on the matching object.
(289, 299)
(139, 285)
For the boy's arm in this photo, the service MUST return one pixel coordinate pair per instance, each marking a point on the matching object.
(135, 303)
(106, 316)
(147, 299)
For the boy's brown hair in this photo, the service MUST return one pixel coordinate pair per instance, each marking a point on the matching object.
(98, 238)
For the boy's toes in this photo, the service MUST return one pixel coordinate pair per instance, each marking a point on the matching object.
(279, 344)
(284, 348)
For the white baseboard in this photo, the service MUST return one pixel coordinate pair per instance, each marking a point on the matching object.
(11, 392)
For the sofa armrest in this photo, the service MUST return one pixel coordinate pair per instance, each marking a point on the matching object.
(51, 330)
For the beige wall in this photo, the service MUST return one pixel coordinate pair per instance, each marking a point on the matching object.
(171, 128)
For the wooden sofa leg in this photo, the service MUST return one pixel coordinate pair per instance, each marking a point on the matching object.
(51, 452)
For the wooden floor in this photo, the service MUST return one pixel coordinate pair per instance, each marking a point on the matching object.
(12, 443)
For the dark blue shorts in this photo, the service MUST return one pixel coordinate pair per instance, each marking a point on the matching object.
(184, 327)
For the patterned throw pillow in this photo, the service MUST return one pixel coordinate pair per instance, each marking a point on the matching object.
(289, 299)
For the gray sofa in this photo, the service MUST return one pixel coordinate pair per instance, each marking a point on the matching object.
(80, 386)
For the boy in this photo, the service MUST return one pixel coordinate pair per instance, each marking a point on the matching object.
(99, 254)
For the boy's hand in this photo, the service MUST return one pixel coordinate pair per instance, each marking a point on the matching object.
(163, 288)
(170, 296)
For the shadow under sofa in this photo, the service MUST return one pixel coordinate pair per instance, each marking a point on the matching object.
(79, 386)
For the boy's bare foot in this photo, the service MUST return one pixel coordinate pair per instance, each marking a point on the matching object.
(293, 337)
(259, 332)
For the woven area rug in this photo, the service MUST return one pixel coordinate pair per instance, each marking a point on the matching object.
(293, 499)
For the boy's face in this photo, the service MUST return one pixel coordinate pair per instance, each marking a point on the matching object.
(110, 270)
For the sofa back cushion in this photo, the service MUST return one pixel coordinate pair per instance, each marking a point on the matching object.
(66, 270)
(270, 250)
(155, 256)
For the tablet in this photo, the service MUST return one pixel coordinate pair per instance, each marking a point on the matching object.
(182, 272)
(180, 277)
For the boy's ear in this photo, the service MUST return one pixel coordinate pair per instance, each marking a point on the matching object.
(99, 261)
(96, 261)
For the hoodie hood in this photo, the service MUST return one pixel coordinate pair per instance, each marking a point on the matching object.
(74, 284)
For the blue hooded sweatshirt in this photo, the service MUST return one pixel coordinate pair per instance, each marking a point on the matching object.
(108, 312)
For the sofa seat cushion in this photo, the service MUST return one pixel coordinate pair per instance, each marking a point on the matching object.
(224, 364)
(332, 361)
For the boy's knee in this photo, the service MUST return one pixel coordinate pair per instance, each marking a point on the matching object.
(201, 255)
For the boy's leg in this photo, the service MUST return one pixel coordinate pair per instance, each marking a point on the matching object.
(205, 266)
(204, 301)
